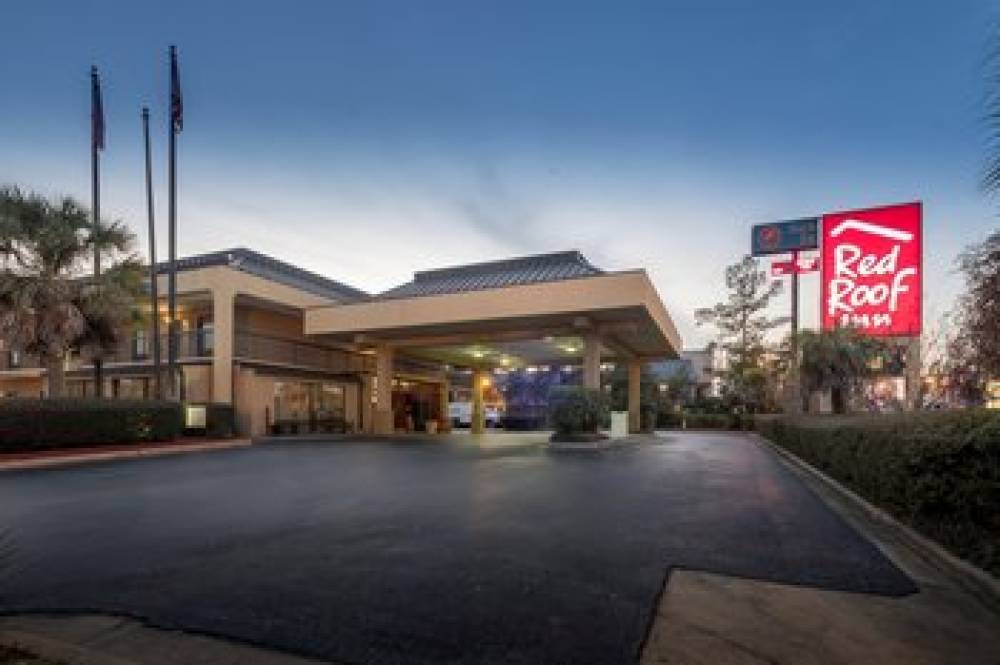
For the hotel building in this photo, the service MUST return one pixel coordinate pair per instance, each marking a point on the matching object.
(294, 351)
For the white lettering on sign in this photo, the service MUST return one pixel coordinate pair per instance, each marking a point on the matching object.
(850, 262)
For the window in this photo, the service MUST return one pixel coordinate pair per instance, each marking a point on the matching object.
(140, 345)
(206, 336)
(14, 358)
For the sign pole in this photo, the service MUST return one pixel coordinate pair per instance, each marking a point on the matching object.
(795, 389)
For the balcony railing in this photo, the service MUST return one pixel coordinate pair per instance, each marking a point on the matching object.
(133, 349)
(139, 348)
(198, 344)
(256, 346)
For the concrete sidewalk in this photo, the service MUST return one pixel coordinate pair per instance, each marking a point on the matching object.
(64, 457)
(953, 620)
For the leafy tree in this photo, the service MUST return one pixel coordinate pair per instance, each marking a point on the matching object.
(979, 306)
(49, 303)
(742, 324)
(991, 178)
(839, 360)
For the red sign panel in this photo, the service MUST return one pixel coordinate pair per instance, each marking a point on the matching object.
(872, 267)
(801, 265)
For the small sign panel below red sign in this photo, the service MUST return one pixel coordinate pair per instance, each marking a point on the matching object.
(800, 265)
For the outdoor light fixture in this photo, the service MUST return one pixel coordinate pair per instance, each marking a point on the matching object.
(195, 416)
(531, 369)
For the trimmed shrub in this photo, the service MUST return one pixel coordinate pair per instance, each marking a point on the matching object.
(40, 424)
(695, 420)
(937, 471)
(220, 421)
(575, 411)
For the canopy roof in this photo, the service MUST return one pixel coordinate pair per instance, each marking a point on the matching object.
(484, 309)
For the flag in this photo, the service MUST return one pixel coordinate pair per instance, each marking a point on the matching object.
(96, 112)
(176, 103)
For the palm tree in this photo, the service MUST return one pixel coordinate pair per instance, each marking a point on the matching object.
(838, 360)
(49, 304)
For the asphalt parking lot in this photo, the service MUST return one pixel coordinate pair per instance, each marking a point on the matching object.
(407, 552)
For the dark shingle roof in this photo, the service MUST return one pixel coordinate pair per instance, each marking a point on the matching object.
(495, 274)
(266, 267)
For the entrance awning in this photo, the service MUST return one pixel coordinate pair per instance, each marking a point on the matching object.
(622, 308)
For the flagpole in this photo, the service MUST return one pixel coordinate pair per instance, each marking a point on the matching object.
(96, 124)
(153, 286)
(172, 236)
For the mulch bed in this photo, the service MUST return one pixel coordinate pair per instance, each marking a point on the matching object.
(76, 451)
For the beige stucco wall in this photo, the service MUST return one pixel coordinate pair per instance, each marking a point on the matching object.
(254, 395)
(198, 383)
(269, 322)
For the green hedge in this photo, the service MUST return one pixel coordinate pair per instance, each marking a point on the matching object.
(734, 421)
(574, 410)
(39, 424)
(937, 471)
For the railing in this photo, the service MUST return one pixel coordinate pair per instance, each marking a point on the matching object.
(132, 349)
(190, 344)
(199, 344)
(256, 346)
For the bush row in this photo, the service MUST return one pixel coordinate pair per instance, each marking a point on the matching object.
(39, 424)
(937, 471)
(735, 421)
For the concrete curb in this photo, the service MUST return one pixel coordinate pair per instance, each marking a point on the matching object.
(87, 458)
(104, 639)
(971, 578)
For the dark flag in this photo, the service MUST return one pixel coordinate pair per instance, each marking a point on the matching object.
(176, 102)
(96, 112)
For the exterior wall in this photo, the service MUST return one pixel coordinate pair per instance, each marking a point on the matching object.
(254, 396)
(268, 322)
(198, 383)
(21, 386)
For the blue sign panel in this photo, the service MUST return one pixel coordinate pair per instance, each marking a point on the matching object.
(785, 237)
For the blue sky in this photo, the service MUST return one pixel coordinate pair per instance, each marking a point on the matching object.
(367, 140)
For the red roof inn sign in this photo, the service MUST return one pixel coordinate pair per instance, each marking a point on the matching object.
(871, 270)
(871, 265)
